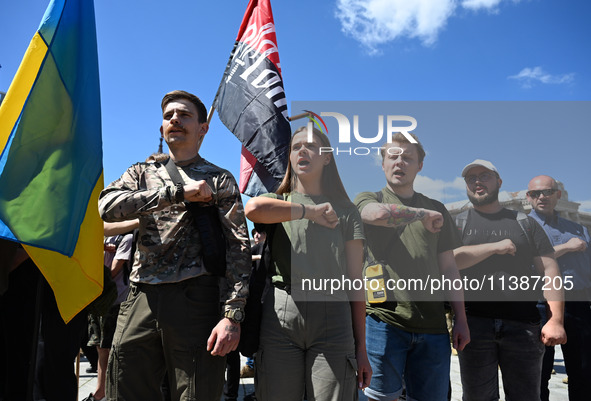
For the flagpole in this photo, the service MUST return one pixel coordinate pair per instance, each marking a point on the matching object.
(35, 345)
(210, 114)
(298, 117)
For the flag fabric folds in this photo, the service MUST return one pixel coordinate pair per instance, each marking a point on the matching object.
(251, 101)
(51, 155)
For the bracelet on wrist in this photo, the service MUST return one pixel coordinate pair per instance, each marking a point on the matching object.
(303, 211)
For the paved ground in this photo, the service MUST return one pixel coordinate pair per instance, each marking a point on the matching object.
(558, 390)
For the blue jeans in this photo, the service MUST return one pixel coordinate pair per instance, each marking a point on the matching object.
(515, 347)
(419, 361)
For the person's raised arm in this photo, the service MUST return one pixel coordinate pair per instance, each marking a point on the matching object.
(126, 199)
(120, 227)
(269, 211)
(393, 215)
(574, 244)
(469, 255)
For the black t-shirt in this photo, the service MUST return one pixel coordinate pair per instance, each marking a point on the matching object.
(495, 301)
(257, 249)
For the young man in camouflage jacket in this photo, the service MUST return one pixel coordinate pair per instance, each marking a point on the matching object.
(172, 321)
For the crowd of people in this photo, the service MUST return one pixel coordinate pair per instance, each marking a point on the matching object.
(175, 326)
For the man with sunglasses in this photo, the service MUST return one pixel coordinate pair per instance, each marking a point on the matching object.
(500, 248)
(571, 245)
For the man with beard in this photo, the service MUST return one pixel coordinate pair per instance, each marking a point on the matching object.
(500, 247)
(573, 253)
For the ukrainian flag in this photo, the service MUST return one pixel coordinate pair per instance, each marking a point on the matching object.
(51, 155)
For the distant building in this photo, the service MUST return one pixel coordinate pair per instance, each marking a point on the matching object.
(518, 201)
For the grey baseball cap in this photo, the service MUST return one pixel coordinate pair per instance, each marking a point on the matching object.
(479, 162)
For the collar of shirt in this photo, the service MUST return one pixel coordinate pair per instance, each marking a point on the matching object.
(185, 163)
(545, 219)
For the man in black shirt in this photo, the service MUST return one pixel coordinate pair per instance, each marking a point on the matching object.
(501, 249)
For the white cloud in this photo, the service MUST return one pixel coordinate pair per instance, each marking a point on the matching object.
(478, 4)
(585, 206)
(443, 191)
(489, 5)
(529, 76)
(375, 22)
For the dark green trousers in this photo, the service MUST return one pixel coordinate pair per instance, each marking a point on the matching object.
(164, 328)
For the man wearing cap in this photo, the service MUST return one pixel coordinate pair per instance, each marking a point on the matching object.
(500, 248)
(571, 245)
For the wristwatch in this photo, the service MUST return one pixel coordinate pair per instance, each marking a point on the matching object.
(235, 315)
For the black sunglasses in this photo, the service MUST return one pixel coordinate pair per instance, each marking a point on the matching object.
(535, 193)
(482, 177)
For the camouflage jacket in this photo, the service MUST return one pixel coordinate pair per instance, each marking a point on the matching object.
(169, 247)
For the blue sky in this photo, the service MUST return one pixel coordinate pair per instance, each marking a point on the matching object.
(354, 50)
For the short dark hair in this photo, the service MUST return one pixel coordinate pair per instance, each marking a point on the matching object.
(178, 94)
(401, 138)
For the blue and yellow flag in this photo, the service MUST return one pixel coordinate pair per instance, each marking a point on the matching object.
(51, 155)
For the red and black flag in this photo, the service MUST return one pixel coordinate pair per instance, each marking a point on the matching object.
(251, 102)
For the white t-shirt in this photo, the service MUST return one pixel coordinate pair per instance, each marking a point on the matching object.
(123, 252)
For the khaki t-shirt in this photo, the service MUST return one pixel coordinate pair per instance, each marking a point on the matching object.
(409, 252)
(306, 254)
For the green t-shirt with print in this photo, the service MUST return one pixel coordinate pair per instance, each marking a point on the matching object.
(305, 253)
(409, 252)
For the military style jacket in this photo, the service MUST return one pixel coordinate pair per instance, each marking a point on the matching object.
(169, 247)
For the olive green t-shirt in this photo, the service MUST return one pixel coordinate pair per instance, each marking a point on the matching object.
(305, 254)
(409, 252)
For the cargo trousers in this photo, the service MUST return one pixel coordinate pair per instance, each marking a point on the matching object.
(164, 328)
(305, 347)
